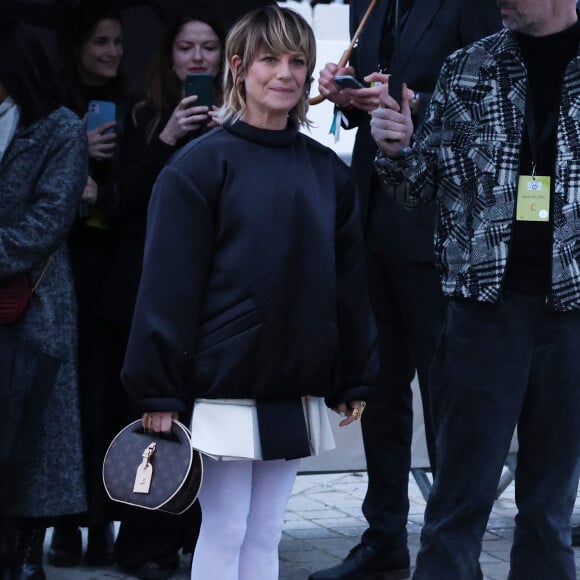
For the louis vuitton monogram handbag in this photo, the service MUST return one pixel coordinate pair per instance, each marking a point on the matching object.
(154, 471)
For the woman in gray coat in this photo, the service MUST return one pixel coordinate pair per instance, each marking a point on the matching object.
(43, 172)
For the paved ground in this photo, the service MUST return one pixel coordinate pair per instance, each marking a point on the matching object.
(324, 521)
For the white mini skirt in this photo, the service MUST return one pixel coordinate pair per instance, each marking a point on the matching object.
(227, 429)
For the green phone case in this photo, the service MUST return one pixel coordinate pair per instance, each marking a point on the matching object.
(200, 84)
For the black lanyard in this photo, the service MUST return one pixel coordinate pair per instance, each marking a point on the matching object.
(535, 141)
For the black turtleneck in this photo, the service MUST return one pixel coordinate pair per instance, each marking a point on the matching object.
(545, 58)
(268, 137)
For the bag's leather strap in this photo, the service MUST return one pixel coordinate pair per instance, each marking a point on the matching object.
(49, 261)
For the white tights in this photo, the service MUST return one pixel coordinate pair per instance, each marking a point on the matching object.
(243, 504)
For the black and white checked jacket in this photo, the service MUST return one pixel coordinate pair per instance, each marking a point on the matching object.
(466, 156)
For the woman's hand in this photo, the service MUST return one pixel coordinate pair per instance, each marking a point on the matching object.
(102, 146)
(214, 117)
(91, 191)
(353, 411)
(158, 421)
(329, 89)
(185, 118)
(367, 99)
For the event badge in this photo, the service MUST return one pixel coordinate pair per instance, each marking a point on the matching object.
(533, 204)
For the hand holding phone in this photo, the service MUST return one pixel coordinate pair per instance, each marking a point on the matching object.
(99, 113)
(349, 82)
(187, 117)
(100, 129)
(392, 123)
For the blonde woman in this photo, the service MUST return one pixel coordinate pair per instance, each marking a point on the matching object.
(253, 303)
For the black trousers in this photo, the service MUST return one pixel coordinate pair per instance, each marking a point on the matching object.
(498, 365)
(105, 409)
(409, 308)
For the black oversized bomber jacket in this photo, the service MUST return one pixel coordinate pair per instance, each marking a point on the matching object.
(254, 281)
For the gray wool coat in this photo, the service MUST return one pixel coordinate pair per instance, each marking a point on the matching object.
(42, 177)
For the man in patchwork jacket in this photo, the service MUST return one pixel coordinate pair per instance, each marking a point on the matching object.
(500, 154)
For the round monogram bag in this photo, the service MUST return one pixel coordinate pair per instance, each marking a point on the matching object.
(155, 471)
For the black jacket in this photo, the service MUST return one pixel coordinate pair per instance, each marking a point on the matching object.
(253, 283)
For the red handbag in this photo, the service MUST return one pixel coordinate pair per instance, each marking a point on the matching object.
(16, 293)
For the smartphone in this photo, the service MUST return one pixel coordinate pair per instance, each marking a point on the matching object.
(200, 84)
(396, 87)
(101, 112)
(349, 82)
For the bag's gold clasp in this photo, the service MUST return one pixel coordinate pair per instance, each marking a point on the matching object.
(145, 471)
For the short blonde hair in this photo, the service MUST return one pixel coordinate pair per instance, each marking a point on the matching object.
(274, 29)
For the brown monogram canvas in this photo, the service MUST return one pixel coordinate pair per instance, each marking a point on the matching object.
(177, 468)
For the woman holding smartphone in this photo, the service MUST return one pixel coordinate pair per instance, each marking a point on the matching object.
(252, 307)
(168, 118)
(148, 543)
(92, 54)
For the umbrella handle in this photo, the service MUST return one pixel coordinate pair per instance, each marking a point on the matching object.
(347, 53)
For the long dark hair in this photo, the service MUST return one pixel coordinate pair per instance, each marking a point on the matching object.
(26, 72)
(165, 90)
(78, 27)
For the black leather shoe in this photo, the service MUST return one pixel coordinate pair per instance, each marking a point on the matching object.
(66, 546)
(7, 548)
(158, 569)
(367, 563)
(576, 535)
(28, 572)
(100, 545)
(27, 562)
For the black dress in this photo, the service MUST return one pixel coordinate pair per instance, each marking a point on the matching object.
(92, 246)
